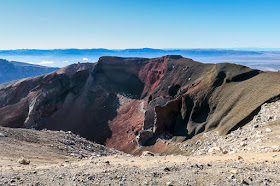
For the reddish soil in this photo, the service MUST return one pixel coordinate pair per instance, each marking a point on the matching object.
(126, 126)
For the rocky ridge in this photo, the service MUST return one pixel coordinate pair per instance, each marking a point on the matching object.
(58, 142)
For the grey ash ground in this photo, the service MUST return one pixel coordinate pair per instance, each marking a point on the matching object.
(247, 156)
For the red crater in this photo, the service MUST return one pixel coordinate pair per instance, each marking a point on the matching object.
(130, 103)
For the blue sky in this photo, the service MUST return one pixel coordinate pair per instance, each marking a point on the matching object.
(118, 24)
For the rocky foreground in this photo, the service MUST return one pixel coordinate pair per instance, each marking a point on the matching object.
(157, 170)
(247, 156)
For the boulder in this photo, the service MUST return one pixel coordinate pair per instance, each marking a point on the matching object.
(147, 153)
(23, 161)
(215, 150)
(268, 130)
(3, 135)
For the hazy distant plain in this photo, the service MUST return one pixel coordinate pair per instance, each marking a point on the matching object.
(264, 59)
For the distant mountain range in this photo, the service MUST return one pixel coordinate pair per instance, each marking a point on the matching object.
(12, 70)
(141, 52)
(265, 59)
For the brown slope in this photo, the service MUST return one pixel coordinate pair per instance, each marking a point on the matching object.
(104, 102)
(223, 96)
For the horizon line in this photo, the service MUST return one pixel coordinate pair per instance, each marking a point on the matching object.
(237, 48)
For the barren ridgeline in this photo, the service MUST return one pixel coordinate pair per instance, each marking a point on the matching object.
(201, 123)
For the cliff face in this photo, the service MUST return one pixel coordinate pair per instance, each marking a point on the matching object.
(126, 102)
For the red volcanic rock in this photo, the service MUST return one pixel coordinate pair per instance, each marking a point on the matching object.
(126, 102)
(153, 71)
(126, 126)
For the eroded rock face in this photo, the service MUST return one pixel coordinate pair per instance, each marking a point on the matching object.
(126, 102)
